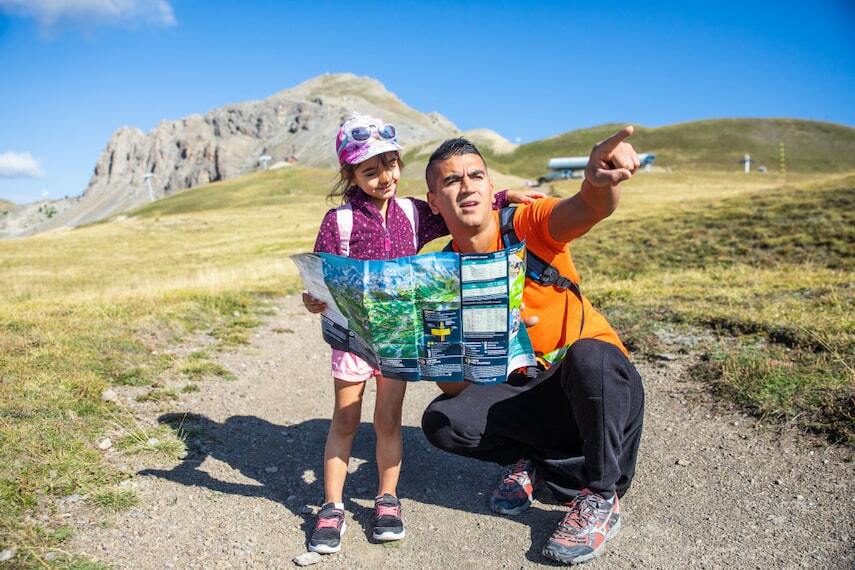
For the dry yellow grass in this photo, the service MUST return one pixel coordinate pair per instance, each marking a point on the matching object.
(660, 190)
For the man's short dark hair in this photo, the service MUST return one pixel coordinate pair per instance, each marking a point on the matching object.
(449, 148)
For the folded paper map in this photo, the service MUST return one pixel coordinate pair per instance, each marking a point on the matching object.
(440, 316)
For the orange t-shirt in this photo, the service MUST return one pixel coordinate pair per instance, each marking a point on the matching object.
(560, 312)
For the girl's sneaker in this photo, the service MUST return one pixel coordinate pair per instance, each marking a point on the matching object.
(387, 519)
(329, 528)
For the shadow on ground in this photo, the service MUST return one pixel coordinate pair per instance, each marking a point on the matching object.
(285, 464)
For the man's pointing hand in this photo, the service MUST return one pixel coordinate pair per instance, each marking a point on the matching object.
(612, 161)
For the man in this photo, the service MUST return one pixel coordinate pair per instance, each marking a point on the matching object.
(577, 426)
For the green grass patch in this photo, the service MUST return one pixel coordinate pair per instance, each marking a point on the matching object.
(53, 558)
(198, 366)
(812, 389)
(74, 563)
(115, 500)
(158, 395)
(62, 533)
(160, 441)
(235, 331)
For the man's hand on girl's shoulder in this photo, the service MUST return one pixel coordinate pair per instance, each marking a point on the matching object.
(313, 305)
(523, 196)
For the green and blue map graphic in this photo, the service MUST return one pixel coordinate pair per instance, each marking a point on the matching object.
(437, 317)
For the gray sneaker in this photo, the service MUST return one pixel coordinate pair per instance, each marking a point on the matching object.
(329, 528)
(515, 491)
(387, 519)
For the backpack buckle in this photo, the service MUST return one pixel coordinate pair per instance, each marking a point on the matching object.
(551, 276)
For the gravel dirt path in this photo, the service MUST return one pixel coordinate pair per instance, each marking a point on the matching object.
(714, 487)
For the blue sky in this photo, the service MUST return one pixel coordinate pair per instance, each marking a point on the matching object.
(73, 71)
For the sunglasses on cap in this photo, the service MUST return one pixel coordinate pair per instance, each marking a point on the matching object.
(387, 132)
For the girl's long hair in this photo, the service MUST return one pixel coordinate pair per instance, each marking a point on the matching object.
(347, 177)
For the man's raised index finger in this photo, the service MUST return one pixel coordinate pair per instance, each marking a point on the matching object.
(613, 141)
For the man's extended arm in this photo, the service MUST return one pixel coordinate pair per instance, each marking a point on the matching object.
(611, 162)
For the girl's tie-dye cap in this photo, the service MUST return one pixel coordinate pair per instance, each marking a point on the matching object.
(362, 137)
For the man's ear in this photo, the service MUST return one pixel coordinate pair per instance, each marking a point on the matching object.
(430, 199)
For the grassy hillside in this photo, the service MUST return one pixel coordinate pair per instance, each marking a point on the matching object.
(811, 224)
(769, 272)
(764, 271)
(5, 205)
(810, 146)
(285, 188)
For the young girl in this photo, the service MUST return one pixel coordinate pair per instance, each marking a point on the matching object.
(372, 223)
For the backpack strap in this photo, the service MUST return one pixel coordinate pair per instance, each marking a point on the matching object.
(545, 274)
(412, 215)
(506, 225)
(536, 268)
(344, 220)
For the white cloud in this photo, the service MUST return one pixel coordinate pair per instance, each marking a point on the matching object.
(91, 13)
(19, 165)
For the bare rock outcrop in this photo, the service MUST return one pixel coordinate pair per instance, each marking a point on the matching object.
(294, 125)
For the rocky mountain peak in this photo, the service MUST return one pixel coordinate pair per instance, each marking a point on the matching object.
(335, 85)
(295, 125)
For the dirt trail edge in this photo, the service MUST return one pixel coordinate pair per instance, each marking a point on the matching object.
(714, 488)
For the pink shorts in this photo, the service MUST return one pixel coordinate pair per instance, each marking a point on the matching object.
(350, 368)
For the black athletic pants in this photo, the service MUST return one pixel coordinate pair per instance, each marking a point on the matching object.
(580, 421)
